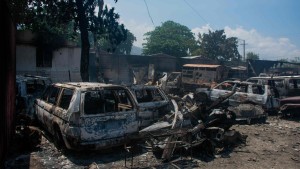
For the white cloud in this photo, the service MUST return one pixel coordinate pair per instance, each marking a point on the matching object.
(138, 30)
(203, 29)
(268, 48)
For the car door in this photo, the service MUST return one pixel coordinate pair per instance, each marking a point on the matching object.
(107, 116)
(63, 104)
(153, 104)
(46, 105)
(241, 94)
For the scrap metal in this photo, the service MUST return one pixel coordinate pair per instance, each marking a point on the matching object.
(193, 125)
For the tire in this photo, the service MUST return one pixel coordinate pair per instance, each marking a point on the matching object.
(58, 139)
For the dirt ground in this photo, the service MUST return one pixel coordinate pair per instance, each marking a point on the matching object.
(275, 144)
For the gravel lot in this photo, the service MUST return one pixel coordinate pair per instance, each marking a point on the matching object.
(275, 144)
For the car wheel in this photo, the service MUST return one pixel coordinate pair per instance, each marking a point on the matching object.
(58, 140)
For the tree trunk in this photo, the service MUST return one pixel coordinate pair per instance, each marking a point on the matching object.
(85, 44)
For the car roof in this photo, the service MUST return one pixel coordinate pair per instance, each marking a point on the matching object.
(31, 77)
(275, 77)
(85, 85)
(239, 82)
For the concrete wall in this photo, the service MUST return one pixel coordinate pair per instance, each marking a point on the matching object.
(66, 60)
(65, 63)
(25, 58)
(119, 68)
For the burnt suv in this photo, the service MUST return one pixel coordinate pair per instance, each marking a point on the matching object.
(249, 100)
(88, 115)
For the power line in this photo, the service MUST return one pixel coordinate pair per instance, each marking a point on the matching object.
(149, 13)
(196, 12)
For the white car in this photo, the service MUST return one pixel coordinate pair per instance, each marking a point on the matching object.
(88, 115)
(244, 92)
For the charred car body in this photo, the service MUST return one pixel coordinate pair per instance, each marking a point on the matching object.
(152, 102)
(28, 88)
(88, 115)
(173, 83)
(290, 106)
(192, 125)
(283, 86)
(245, 93)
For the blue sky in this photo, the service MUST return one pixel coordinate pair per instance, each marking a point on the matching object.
(270, 28)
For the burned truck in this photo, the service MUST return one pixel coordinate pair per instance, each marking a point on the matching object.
(194, 76)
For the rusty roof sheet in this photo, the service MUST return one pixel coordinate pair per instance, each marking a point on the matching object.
(201, 65)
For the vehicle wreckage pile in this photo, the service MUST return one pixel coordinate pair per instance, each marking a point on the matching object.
(167, 125)
(192, 125)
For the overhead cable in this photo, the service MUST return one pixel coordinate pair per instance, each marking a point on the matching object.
(149, 13)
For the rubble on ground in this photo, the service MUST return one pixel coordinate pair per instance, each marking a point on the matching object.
(195, 127)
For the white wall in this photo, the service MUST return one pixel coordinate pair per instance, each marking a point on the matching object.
(65, 60)
(65, 63)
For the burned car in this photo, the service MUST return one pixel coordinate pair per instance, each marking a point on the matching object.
(245, 93)
(88, 115)
(173, 83)
(28, 88)
(153, 103)
(284, 86)
(290, 106)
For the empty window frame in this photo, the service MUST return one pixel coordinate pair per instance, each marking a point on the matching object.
(65, 99)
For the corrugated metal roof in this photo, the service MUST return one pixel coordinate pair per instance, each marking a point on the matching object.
(201, 65)
(191, 57)
(239, 68)
(162, 55)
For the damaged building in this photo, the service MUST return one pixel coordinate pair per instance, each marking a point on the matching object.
(124, 68)
(277, 68)
(61, 64)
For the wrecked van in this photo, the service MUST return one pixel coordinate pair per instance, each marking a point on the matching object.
(87, 115)
(245, 92)
(153, 103)
(28, 88)
(284, 86)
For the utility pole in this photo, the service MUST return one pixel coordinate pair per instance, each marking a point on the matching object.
(244, 48)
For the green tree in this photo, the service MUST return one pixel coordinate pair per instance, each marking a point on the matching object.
(39, 14)
(252, 56)
(216, 46)
(295, 60)
(123, 48)
(170, 38)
